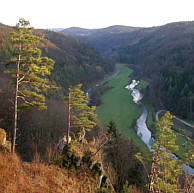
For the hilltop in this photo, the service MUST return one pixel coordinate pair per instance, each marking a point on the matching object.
(165, 58)
(76, 31)
(75, 61)
(103, 39)
(163, 55)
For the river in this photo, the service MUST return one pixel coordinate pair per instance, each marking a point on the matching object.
(142, 130)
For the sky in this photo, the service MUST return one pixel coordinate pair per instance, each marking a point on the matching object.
(96, 13)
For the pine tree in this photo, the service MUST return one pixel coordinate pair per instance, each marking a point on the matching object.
(164, 169)
(126, 188)
(80, 115)
(112, 129)
(28, 71)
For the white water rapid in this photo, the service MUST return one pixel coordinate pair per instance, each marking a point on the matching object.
(142, 131)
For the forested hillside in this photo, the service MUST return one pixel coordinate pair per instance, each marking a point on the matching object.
(166, 58)
(105, 39)
(75, 61)
(163, 55)
(61, 143)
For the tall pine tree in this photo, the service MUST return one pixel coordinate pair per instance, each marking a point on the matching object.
(28, 71)
(164, 169)
(80, 115)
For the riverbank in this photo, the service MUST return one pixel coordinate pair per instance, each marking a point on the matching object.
(118, 106)
(184, 136)
(150, 121)
(142, 129)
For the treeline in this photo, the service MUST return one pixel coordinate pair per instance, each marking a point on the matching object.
(105, 39)
(39, 133)
(164, 57)
(95, 97)
(153, 52)
(75, 61)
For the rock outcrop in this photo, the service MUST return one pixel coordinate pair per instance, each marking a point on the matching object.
(5, 145)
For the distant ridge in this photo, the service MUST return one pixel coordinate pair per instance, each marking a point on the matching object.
(77, 31)
(75, 61)
(161, 54)
(56, 29)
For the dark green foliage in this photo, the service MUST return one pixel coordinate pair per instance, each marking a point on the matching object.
(80, 115)
(32, 70)
(28, 72)
(5, 45)
(75, 61)
(126, 188)
(105, 39)
(120, 154)
(153, 51)
(164, 169)
(164, 55)
(178, 87)
(66, 159)
(102, 190)
(95, 97)
(112, 129)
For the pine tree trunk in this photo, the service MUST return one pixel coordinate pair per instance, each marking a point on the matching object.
(69, 118)
(151, 179)
(15, 106)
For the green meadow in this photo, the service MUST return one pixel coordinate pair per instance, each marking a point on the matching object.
(118, 106)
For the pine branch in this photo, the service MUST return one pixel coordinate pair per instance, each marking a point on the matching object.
(25, 101)
(19, 81)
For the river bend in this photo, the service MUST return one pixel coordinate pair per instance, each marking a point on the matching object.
(142, 130)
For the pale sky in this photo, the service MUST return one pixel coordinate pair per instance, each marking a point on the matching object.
(95, 13)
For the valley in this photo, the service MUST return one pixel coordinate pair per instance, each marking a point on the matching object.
(74, 101)
(117, 106)
(162, 54)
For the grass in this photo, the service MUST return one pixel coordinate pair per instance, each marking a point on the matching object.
(190, 121)
(118, 106)
(22, 177)
(143, 84)
(184, 145)
(151, 115)
(181, 141)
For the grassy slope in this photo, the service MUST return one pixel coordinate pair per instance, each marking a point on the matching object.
(184, 146)
(117, 105)
(22, 177)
